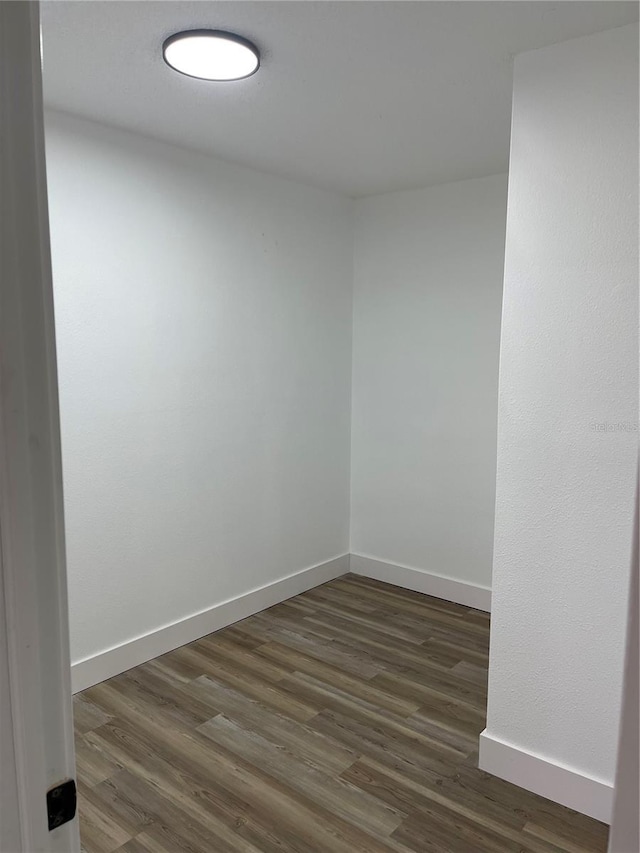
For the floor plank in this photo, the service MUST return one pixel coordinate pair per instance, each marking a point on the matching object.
(344, 720)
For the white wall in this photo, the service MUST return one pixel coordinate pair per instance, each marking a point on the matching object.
(204, 339)
(569, 362)
(427, 302)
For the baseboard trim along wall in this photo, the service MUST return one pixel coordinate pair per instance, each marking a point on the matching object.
(460, 592)
(106, 664)
(564, 785)
(97, 668)
(561, 784)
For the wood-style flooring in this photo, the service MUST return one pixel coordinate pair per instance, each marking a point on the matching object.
(344, 720)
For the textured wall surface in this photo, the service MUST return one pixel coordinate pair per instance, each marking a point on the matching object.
(568, 404)
(204, 339)
(427, 302)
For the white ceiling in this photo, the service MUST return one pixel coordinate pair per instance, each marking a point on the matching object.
(360, 97)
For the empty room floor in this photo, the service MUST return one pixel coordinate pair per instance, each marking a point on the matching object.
(344, 720)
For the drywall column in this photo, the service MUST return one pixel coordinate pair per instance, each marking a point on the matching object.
(567, 422)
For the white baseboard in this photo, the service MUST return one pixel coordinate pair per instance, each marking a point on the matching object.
(556, 782)
(460, 592)
(104, 665)
(92, 670)
(564, 785)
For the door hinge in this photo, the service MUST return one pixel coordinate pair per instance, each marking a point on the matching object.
(61, 803)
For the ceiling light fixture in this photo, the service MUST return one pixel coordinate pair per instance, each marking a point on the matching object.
(211, 55)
